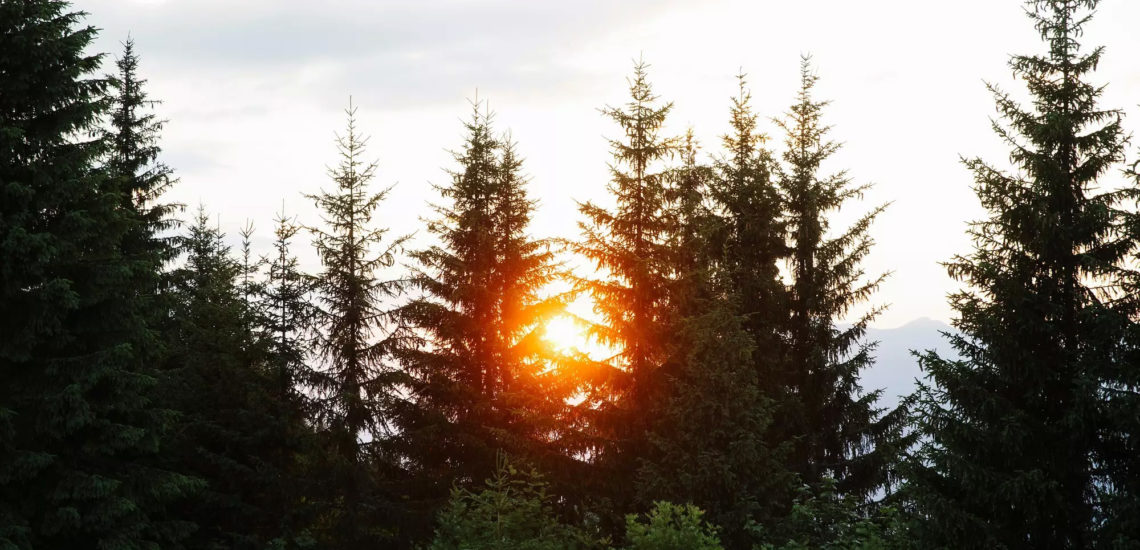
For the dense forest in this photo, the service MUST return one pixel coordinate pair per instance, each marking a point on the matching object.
(162, 389)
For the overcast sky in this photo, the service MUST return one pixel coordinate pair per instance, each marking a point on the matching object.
(255, 89)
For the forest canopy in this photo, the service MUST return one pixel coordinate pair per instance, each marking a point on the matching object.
(165, 385)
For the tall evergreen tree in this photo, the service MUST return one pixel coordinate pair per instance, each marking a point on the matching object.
(78, 427)
(1011, 458)
(708, 439)
(288, 314)
(483, 382)
(1120, 455)
(133, 140)
(232, 430)
(629, 247)
(357, 387)
(750, 237)
(839, 432)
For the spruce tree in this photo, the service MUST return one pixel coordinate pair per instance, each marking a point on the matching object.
(1010, 454)
(79, 429)
(288, 314)
(628, 246)
(134, 150)
(357, 335)
(482, 383)
(212, 382)
(1120, 453)
(708, 439)
(750, 237)
(838, 431)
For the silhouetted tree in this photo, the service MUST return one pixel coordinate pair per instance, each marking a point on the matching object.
(357, 335)
(233, 430)
(750, 238)
(1010, 457)
(79, 430)
(839, 431)
(133, 138)
(708, 438)
(288, 314)
(629, 247)
(483, 382)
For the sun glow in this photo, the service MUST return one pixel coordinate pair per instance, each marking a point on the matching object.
(565, 334)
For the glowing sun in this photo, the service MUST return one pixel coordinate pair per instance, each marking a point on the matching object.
(565, 334)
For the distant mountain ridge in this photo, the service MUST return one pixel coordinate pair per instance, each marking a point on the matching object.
(895, 368)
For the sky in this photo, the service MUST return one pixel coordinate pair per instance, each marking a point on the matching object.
(254, 90)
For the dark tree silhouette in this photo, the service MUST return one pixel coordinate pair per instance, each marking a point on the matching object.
(1011, 452)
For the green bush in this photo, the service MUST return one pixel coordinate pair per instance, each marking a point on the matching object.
(513, 512)
(822, 519)
(671, 527)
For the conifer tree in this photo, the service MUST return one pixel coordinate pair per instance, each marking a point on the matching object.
(249, 284)
(482, 384)
(750, 237)
(628, 245)
(78, 426)
(288, 313)
(708, 439)
(356, 389)
(231, 433)
(133, 140)
(1010, 457)
(839, 432)
(1120, 454)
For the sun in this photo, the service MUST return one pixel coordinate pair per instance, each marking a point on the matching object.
(565, 334)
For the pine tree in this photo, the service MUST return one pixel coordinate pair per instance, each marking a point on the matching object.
(78, 427)
(708, 440)
(249, 284)
(482, 384)
(840, 433)
(133, 139)
(235, 430)
(1011, 431)
(629, 247)
(1120, 454)
(288, 314)
(750, 237)
(356, 390)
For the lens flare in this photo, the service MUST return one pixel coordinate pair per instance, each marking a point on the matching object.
(564, 334)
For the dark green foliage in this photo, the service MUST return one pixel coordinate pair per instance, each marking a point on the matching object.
(707, 443)
(78, 427)
(708, 438)
(512, 512)
(483, 382)
(1121, 447)
(357, 334)
(287, 315)
(237, 402)
(838, 431)
(1012, 454)
(671, 527)
(629, 247)
(825, 519)
(749, 239)
(235, 430)
(133, 141)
